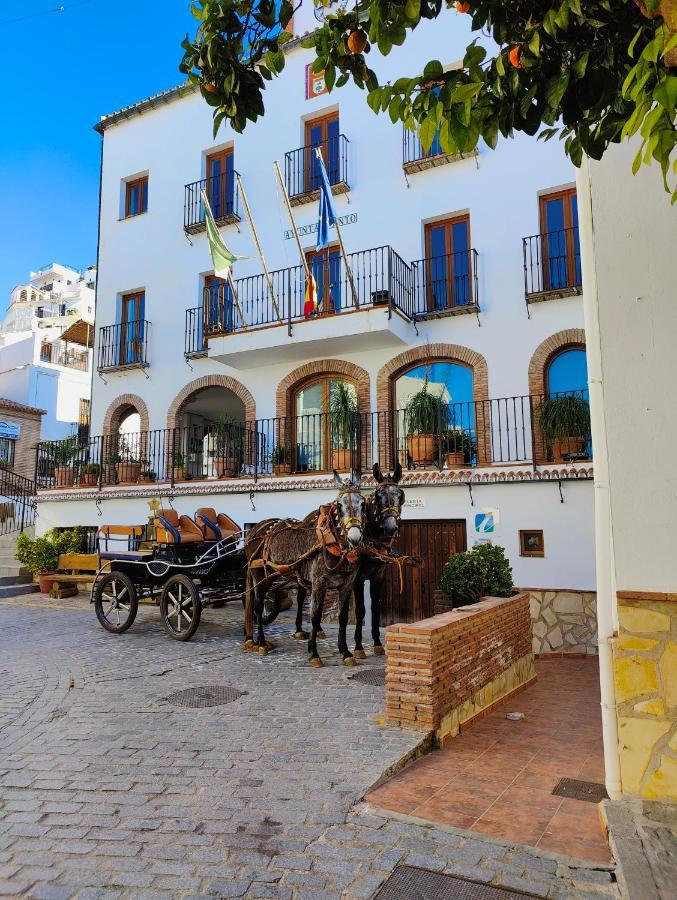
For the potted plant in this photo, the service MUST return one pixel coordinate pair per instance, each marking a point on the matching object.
(61, 454)
(281, 459)
(227, 446)
(146, 474)
(128, 467)
(110, 461)
(40, 556)
(342, 413)
(89, 474)
(483, 571)
(424, 416)
(564, 423)
(457, 447)
(179, 472)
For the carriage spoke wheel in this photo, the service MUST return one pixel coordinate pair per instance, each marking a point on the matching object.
(115, 602)
(180, 607)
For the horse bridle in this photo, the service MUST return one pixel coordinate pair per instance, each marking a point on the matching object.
(348, 522)
(393, 511)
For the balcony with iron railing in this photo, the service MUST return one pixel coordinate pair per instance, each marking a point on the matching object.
(521, 430)
(552, 265)
(446, 285)
(195, 340)
(123, 346)
(223, 196)
(416, 159)
(59, 354)
(302, 171)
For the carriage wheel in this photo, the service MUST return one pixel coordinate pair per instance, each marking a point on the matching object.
(271, 607)
(180, 607)
(115, 602)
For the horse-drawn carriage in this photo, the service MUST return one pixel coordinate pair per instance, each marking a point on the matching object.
(184, 564)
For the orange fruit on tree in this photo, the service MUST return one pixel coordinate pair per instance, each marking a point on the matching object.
(211, 88)
(462, 6)
(357, 41)
(514, 57)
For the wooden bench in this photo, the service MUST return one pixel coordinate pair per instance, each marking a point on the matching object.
(79, 568)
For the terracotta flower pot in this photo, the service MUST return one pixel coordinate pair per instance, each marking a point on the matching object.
(63, 476)
(563, 447)
(127, 471)
(45, 580)
(179, 473)
(455, 460)
(340, 459)
(89, 479)
(282, 469)
(146, 479)
(422, 448)
(225, 466)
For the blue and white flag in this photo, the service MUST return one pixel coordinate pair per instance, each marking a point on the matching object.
(327, 214)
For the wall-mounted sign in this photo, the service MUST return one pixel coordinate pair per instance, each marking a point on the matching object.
(486, 521)
(312, 228)
(10, 430)
(315, 85)
(414, 503)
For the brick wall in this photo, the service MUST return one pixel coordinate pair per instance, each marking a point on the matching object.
(30, 421)
(445, 671)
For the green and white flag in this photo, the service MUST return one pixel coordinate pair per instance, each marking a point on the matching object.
(222, 257)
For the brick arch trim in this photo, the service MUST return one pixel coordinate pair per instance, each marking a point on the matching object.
(120, 408)
(208, 381)
(318, 367)
(424, 353)
(545, 352)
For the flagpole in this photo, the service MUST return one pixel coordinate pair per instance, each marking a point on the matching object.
(349, 272)
(276, 166)
(229, 278)
(236, 300)
(259, 249)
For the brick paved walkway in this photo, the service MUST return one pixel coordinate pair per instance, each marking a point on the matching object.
(108, 790)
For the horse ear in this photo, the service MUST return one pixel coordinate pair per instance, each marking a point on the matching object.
(337, 478)
(378, 474)
(397, 475)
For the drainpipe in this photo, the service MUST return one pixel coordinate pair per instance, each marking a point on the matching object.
(604, 559)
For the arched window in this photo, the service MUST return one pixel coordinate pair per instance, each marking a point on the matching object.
(325, 424)
(567, 373)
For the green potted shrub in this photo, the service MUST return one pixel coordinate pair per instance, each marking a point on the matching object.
(179, 467)
(40, 556)
(564, 423)
(128, 466)
(89, 474)
(62, 454)
(281, 459)
(425, 415)
(342, 412)
(227, 436)
(457, 447)
(483, 571)
(146, 474)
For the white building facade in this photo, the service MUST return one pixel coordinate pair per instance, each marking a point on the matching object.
(45, 346)
(231, 401)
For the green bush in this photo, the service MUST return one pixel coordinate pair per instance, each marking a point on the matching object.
(483, 571)
(40, 555)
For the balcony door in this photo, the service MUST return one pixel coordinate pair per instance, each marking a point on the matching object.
(221, 182)
(447, 265)
(132, 327)
(325, 267)
(322, 132)
(320, 431)
(218, 305)
(561, 249)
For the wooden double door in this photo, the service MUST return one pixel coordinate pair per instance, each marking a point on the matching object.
(434, 540)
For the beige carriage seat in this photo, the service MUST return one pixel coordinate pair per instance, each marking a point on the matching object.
(215, 526)
(122, 542)
(171, 528)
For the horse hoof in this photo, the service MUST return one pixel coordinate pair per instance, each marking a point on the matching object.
(379, 650)
(248, 645)
(359, 653)
(263, 651)
(301, 636)
(321, 635)
(316, 662)
(270, 646)
(349, 661)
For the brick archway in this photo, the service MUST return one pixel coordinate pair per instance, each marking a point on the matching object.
(544, 353)
(120, 408)
(454, 353)
(337, 367)
(209, 381)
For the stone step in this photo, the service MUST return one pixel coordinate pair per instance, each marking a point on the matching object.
(16, 576)
(18, 590)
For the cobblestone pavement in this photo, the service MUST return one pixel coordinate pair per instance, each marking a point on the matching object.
(109, 790)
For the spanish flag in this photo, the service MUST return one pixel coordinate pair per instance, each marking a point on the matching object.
(310, 303)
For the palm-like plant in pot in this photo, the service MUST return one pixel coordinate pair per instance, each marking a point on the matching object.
(227, 446)
(343, 433)
(564, 423)
(457, 447)
(62, 454)
(425, 420)
(281, 459)
(128, 467)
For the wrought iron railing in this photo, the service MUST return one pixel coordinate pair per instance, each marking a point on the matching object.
(301, 168)
(124, 345)
(17, 502)
(412, 148)
(445, 283)
(62, 355)
(552, 262)
(223, 196)
(502, 431)
(195, 338)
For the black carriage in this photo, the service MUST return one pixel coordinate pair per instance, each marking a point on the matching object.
(179, 563)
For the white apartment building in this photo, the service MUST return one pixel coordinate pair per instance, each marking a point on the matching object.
(45, 346)
(466, 284)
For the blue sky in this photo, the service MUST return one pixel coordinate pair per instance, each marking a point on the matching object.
(64, 71)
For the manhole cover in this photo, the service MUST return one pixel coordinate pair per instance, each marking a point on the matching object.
(408, 883)
(206, 695)
(370, 676)
(581, 790)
